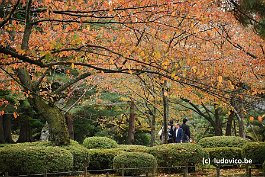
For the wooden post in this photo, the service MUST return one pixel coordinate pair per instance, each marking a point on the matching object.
(122, 170)
(85, 172)
(186, 171)
(6, 174)
(154, 171)
(45, 173)
(218, 171)
(248, 171)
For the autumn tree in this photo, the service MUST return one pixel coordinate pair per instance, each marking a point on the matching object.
(195, 44)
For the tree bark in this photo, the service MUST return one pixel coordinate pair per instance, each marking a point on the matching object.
(131, 130)
(70, 125)
(228, 131)
(218, 121)
(2, 137)
(7, 128)
(25, 134)
(57, 125)
(153, 127)
(165, 111)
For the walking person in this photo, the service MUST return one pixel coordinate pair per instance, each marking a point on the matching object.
(186, 131)
(178, 133)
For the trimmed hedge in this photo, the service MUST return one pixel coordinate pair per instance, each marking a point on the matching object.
(142, 162)
(219, 154)
(133, 148)
(254, 151)
(102, 158)
(222, 141)
(80, 154)
(180, 154)
(34, 159)
(99, 143)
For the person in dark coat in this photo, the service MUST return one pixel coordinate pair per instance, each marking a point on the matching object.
(186, 131)
(178, 134)
(170, 132)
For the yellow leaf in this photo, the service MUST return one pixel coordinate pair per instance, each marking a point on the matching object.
(220, 79)
(194, 69)
(72, 65)
(157, 54)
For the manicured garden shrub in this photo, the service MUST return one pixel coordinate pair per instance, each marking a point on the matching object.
(142, 162)
(99, 143)
(222, 141)
(80, 155)
(34, 159)
(254, 151)
(218, 155)
(133, 148)
(102, 158)
(180, 154)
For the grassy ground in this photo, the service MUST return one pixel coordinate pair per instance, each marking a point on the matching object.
(204, 173)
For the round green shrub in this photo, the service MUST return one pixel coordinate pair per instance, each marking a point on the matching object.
(222, 141)
(220, 154)
(34, 159)
(102, 158)
(180, 154)
(133, 148)
(254, 151)
(99, 143)
(136, 162)
(80, 155)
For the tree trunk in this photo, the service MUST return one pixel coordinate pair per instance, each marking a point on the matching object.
(228, 131)
(57, 125)
(218, 121)
(2, 137)
(25, 134)
(153, 127)
(131, 130)
(235, 131)
(7, 128)
(70, 125)
(165, 111)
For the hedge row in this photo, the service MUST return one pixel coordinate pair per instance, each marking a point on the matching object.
(136, 163)
(172, 155)
(133, 148)
(254, 151)
(99, 143)
(222, 141)
(102, 158)
(34, 159)
(220, 153)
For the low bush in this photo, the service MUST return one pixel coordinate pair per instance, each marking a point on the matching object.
(139, 163)
(34, 159)
(133, 148)
(180, 154)
(80, 154)
(222, 141)
(221, 155)
(254, 151)
(102, 158)
(99, 143)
